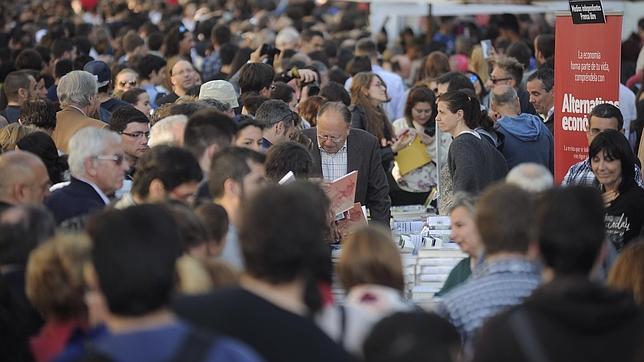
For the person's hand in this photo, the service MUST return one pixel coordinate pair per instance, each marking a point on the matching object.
(401, 142)
(257, 57)
(307, 75)
(609, 197)
(425, 138)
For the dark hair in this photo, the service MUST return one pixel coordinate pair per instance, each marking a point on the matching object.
(607, 110)
(125, 115)
(411, 337)
(512, 66)
(231, 163)
(60, 46)
(134, 252)
(155, 40)
(39, 113)
(215, 219)
(338, 75)
(43, 146)
(172, 39)
(63, 67)
(148, 64)
(207, 127)
(546, 45)
(81, 60)
(14, 81)
(82, 44)
(307, 35)
(420, 94)
(186, 109)
(282, 91)
(132, 96)
(191, 230)
(29, 59)
(455, 81)
(173, 166)
(255, 77)
(546, 76)
(220, 34)
(288, 156)
(509, 22)
(252, 101)
(278, 254)
(247, 121)
(614, 146)
(434, 65)
(335, 92)
(359, 65)
(469, 104)
(241, 57)
(227, 53)
(570, 228)
(521, 52)
(498, 204)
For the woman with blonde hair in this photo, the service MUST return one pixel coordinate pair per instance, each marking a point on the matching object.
(11, 134)
(55, 286)
(478, 64)
(627, 273)
(371, 272)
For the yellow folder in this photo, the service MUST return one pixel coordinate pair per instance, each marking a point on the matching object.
(413, 156)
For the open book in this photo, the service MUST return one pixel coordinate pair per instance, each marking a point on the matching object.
(342, 192)
(353, 218)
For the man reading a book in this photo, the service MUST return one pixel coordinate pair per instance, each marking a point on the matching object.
(339, 149)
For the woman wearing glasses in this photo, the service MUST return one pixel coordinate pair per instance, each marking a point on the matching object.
(368, 94)
(472, 162)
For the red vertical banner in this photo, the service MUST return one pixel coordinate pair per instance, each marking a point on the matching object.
(587, 71)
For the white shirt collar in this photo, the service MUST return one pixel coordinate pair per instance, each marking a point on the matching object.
(100, 193)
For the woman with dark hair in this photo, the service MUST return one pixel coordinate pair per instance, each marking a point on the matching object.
(613, 164)
(419, 119)
(249, 133)
(41, 144)
(472, 162)
(283, 91)
(179, 41)
(139, 98)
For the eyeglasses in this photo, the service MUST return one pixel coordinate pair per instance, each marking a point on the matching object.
(334, 139)
(136, 134)
(116, 158)
(496, 80)
(131, 83)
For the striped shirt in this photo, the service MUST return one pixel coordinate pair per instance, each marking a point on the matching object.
(581, 174)
(334, 165)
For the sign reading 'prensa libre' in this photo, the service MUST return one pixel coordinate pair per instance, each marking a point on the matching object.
(586, 11)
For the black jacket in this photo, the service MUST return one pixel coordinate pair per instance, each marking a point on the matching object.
(75, 200)
(569, 320)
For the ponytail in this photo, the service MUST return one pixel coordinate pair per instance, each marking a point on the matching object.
(465, 100)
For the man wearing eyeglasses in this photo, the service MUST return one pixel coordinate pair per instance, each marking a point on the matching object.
(97, 165)
(134, 128)
(508, 71)
(338, 149)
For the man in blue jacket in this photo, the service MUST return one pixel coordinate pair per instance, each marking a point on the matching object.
(525, 137)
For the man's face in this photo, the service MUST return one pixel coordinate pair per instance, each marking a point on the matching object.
(253, 181)
(182, 75)
(109, 168)
(135, 139)
(500, 76)
(596, 125)
(332, 131)
(541, 99)
(316, 44)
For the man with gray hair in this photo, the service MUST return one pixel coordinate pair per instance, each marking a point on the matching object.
(531, 177)
(168, 131)
(525, 137)
(278, 121)
(77, 94)
(97, 165)
(23, 179)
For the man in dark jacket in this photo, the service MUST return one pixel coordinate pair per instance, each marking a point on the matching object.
(570, 318)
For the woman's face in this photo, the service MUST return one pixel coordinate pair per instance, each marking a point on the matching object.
(143, 103)
(41, 91)
(607, 170)
(126, 81)
(464, 231)
(447, 120)
(421, 112)
(250, 137)
(377, 90)
(186, 43)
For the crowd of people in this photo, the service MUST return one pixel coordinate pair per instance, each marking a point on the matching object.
(164, 176)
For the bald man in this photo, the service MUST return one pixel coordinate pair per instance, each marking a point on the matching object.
(23, 179)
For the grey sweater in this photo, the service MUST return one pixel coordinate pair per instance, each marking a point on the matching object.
(474, 163)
